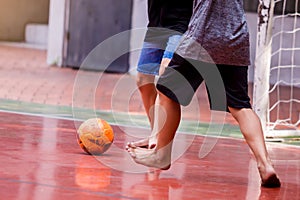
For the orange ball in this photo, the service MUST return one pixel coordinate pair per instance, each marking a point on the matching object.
(95, 136)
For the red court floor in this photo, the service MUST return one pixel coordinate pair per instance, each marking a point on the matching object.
(40, 159)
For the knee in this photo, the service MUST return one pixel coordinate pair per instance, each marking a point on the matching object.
(143, 79)
(240, 112)
(166, 100)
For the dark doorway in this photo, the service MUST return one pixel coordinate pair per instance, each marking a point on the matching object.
(90, 23)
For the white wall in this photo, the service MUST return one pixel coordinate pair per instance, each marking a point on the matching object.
(56, 32)
(139, 20)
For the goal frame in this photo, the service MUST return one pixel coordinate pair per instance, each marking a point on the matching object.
(262, 67)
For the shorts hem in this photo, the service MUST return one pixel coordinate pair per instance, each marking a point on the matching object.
(148, 73)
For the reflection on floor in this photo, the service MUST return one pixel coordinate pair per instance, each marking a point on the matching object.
(40, 159)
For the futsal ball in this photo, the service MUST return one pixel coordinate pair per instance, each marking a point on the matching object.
(95, 136)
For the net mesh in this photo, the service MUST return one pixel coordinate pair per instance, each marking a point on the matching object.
(284, 92)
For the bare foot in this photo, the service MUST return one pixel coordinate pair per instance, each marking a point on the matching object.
(151, 157)
(269, 178)
(152, 142)
(271, 182)
(143, 143)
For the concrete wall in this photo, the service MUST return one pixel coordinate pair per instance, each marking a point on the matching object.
(16, 14)
(57, 31)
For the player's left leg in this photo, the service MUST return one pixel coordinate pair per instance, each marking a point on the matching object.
(251, 128)
(168, 118)
(236, 85)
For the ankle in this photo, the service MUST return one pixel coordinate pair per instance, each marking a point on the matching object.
(266, 170)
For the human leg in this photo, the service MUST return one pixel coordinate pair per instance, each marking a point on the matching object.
(238, 101)
(148, 68)
(148, 65)
(250, 127)
(147, 89)
(174, 89)
(145, 81)
(168, 118)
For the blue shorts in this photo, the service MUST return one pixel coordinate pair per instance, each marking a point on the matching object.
(151, 56)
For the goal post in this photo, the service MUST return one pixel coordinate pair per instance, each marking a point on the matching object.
(262, 61)
(277, 68)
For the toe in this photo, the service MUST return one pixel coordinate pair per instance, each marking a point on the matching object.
(132, 152)
(131, 145)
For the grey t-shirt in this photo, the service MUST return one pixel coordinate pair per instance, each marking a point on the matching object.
(217, 33)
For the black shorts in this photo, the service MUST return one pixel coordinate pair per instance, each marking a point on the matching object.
(227, 85)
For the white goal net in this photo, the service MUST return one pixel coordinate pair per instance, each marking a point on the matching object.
(276, 89)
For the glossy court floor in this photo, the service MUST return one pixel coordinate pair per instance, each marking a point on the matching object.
(40, 158)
